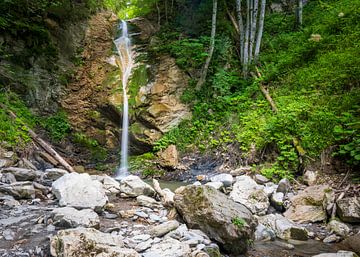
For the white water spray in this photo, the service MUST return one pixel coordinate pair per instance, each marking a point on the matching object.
(123, 45)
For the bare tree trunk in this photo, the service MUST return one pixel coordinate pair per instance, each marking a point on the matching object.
(254, 14)
(158, 12)
(260, 30)
(299, 11)
(166, 11)
(241, 29)
(246, 43)
(211, 50)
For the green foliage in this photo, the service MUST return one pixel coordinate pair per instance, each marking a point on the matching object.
(312, 75)
(144, 163)
(13, 131)
(98, 153)
(239, 222)
(57, 125)
(347, 136)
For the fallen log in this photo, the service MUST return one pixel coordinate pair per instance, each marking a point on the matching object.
(166, 196)
(43, 144)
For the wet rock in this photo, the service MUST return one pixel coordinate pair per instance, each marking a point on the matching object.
(352, 243)
(84, 242)
(260, 179)
(310, 177)
(213, 212)
(169, 158)
(79, 191)
(19, 190)
(110, 185)
(338, 254)
(348, 209)
(216, 185)
(339, 228)
(133, 186)
(169, 247)
(213, 250)
(146, 201)
(284, 186)
(164, 228)
(277, 201)
(53, 174)
(69, 217)
(247, 192)
(307, 206)
(226, 179)
(21, 174)
(284, 228)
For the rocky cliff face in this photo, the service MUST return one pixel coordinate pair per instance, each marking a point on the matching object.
(94, 97)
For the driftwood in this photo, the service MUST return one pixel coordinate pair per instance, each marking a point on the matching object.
(44, 145)
(266, 93)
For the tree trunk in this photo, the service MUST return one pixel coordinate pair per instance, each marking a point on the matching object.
(211, 50)
(260, 30)
(158, 12)
(254, 14)
(166, 12)
(241, 29)
(246, 43)
(299, 11)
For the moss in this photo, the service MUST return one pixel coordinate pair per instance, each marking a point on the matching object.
(138, 79)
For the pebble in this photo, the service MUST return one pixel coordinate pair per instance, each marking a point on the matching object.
(8, 234)
(143, 246)
(141, 214)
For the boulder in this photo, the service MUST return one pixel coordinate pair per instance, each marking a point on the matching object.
(305, 213)
(146, 201)
(247, 192)
(277, 201)
(79, 191)
(133, 186)
(216, 185)
(348, 209)
(53, 174)
(164, 228)
(283, 228)
(226, 179)
(338, 254)
(307, 206)
(310, 177)
(169, 158)
(284, 186)
(19, 190)
(169, 247)
(223, 220)
(110, 185)
(69, 217)
(84, 242)
(260, 179)
(21, 174)
(352, 243)
(339, 228)
(7, 178)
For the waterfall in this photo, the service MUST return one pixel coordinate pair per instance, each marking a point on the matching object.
(123, 45)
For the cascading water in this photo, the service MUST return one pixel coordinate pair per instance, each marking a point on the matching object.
(123, 45)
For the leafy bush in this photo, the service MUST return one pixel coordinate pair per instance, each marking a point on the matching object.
(57, 125)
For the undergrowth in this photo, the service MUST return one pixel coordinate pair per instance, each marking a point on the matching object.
(312, 75)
